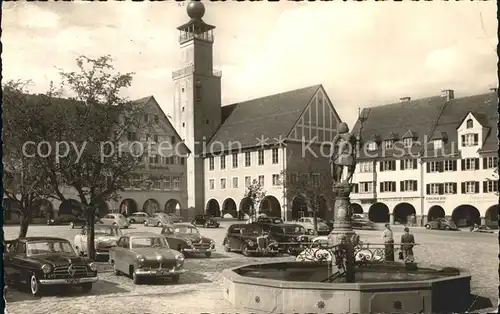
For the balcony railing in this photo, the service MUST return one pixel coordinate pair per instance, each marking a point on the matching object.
(183, 37)
(190, 70)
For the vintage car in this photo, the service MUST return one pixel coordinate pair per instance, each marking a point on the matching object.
(250, 239)
(41, 262)
(266, 220)
(205, 221)
(105, 237)
(441, 224)
(481, 229)
(115, 220)
(146, 255)
(308, 224)
(361, 222)
(292, 238)
(187, 239)
(159, 220)
(138, 217)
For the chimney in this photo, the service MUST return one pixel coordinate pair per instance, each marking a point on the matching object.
(448, 93)
(403, 99)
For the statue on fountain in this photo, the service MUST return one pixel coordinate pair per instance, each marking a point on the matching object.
(343, 156)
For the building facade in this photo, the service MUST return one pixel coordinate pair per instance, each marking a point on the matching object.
(433, 157)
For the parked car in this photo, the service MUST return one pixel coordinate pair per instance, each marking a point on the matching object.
(158, 220)
(268, 220)
(308, 224)
(115, 220)
(187, 239)
(481, 229)
(205, 221)
(291, 238)
(250, 239)
(441, 224)
(361, 222)
(105, 237)
(145, 254)
(174, 218)
(41, 262)
(138, 217)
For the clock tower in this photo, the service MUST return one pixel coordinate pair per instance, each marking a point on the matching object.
(197, 98)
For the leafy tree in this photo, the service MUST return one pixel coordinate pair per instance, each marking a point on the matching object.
(255, 193)
(24, 120)
(310, 183)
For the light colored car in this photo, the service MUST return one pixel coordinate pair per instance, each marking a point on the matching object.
(162, 219)
(138, 217)
(308, 224)
(146, 254)
(105, 237)
(115, 220)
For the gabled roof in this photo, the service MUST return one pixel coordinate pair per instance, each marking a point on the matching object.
(482, 119)
(381, 121)
(409, 134)
(270, 117)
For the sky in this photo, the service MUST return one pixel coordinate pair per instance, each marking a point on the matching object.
(364, 53)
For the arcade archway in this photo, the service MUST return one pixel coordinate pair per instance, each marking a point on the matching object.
(299, 207)
(356, 208)
(43, 208)
(466, 215)
(402, 211)
(128, 206)
(435, 212)
(229, 207)
(71, 207)
(378, 212)
(172, 206)
(491, 217)
(151, 206)
(245, 206)
(270, 206)
(213, 208)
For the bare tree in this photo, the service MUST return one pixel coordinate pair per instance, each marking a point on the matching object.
(255, 193)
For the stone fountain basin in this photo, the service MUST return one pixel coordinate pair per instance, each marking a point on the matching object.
(296, 287)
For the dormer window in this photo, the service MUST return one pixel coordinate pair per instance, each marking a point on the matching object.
(388, 144)
(408, 142)
(471, 139)
(470, 124)
(438, 144)
(372, 146)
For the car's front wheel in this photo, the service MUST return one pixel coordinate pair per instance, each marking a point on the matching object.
(132, 221)
(446, 227)
(205, 225)
(427, 226)
(35, 285)
(86, 287)
(245, 251)
(176, 278)
(208, 254)
(71, 225)
(310, 231)
(158, 224)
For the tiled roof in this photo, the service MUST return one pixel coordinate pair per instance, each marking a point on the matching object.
(383, 121)
(270, 117)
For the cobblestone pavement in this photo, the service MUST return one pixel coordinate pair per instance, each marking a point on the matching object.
(199, 290)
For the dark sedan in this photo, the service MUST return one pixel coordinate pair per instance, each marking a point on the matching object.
(441, 224)
(205, 221)
(40, 262)
(187, 239)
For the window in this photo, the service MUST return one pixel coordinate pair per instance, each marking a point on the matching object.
(275, 155)
(235, 182)
(388, 165)
(167, 183)
(211, 163)
(471, 139)
(408, 164)
(366, 166)
(490, 186)
(248, 181)
(183, 124)
(248, 159)
(388, 144)
(132, 136)
(438, 144)
(261, 180)
(198, 92)
(408, 186)
(223, 183)
(372, 146)
(222, 162)
(450, 188)
(276, 179)
(156, 119)
(182, 109)
(235, 160)
(260, 157)
(365, 187)
(388, 186)
(154, 159)
(470, 187)
(434, 189)
(490, 162)
(450, 165)
(470, 164)
(408, 142)
(211, 184)
(177, 182)
(434, 166)
(146, 118)
(470, 124)
(315, 179)
(157, 184)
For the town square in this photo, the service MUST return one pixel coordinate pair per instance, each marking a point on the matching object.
(200, 168)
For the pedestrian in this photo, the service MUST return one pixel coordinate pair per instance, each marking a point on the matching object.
(407, 244)
(388, 243)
